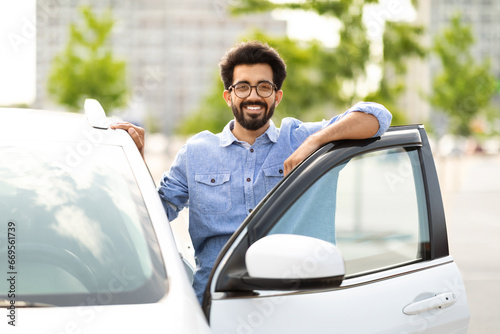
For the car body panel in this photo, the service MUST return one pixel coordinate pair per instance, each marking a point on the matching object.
(377, 297)
(378, 300)
(375, 306)
(178, 310)
(171, 315)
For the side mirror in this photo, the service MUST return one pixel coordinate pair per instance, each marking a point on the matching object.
(292, 262)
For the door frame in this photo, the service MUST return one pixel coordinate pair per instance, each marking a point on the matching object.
(227, 276)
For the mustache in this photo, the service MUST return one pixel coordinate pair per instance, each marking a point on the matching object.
(253, 103)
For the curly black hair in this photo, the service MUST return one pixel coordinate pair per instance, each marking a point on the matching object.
(250, 53)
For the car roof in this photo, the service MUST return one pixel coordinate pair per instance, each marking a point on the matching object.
(32, 124)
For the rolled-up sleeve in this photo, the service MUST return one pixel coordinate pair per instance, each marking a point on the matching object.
(383, 115)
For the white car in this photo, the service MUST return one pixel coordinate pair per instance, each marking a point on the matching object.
(352, 241)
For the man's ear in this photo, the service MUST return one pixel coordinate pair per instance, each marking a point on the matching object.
(227, 97)
(279, 96)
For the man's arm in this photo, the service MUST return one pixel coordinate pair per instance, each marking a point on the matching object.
(173, 188)
(354, 125)
(136, 132)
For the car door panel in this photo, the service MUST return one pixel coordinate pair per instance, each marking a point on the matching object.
(372, 307)
(379, 201)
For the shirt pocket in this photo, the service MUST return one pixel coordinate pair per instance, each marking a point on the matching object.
(213, 192)
(272, 175)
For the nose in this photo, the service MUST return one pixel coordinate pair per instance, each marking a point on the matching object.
(253, 93)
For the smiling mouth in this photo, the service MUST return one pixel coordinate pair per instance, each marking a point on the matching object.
(253, 108)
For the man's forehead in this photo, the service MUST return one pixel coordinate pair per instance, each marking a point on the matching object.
(253, 73)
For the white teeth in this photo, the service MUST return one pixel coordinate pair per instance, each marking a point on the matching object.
(253, 108)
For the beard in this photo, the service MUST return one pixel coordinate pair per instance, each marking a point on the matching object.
(252, 122)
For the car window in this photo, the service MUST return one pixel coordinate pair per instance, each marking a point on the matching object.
(82, 234)
(372, 206)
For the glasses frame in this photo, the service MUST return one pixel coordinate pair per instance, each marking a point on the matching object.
(256, 89)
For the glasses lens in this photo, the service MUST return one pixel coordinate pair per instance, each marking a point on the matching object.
(264, 89)
(242, 90)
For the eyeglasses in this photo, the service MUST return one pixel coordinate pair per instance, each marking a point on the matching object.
(243, 90)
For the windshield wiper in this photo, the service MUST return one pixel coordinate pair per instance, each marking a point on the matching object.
(22, 303)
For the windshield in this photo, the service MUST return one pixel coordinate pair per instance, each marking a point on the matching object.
(74, 229)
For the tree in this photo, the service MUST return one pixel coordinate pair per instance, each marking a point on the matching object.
(463, 87)
(213, 115)
(321, 81)
(86, 67)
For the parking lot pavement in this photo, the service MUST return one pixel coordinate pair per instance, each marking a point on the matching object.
(471, 194)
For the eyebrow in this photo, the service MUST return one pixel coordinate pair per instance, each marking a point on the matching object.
(243, 81)
(247, 82)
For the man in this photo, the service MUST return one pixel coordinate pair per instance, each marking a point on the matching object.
(223, 177)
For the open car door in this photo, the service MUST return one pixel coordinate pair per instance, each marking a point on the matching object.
(353, 241)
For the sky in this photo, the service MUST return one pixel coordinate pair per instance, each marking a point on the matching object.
(18, 40)
(17, 51)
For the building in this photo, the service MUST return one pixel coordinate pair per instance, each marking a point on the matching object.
(172, 49)
(482, 15)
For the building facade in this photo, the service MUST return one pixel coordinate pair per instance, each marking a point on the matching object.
(482, 15)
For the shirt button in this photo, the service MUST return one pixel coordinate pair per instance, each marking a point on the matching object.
(248, 179)
(251, 150)
(212, 180)
(281, 171)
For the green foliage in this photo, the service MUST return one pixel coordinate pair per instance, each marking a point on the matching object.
(212, 115)
(401, 41)
(86, 68)
(16, 105)
(325, 81)
(463, 87)
(336, 8)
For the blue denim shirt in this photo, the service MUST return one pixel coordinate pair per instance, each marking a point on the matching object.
(222, 179)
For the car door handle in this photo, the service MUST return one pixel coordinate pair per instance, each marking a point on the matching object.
(439, 301)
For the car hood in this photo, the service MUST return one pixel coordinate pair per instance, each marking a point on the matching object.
(162, 317)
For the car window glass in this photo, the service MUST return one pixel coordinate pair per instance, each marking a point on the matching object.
(372, 207)
(81, 227)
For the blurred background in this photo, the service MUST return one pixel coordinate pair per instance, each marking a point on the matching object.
(154, 63)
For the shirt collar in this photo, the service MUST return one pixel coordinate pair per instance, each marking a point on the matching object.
(227, 137)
